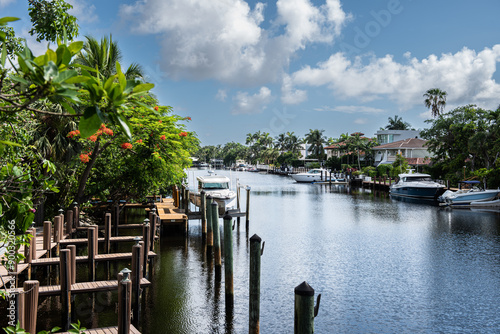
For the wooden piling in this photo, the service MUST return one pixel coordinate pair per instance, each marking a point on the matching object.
(65, 277)
(228, 261)
(247, 209)
(181, 197)
(107, 232)
(203, 212)
(210, 233)
(216, 232)
(57, 233)
(238, 197)
(145, 238)
(30, 305)
(72, 263)
(124, 303)
(69, 222)
(186, 200)
(254, 305)
(76, 215)
(152, 230)
(30, 250)
(116, 218)
(136, 281)
(47, 236)
(304, 310)
(92, 250)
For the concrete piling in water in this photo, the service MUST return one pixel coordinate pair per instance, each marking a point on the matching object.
(247, 209)
(304, 310)
(254, 304)
(216, 231)
(210, 233)
(203, 213)
(228, 261)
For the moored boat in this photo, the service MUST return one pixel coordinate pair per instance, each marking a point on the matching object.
(469, 193)
(416, 185)
(313, 175)
(217, 187)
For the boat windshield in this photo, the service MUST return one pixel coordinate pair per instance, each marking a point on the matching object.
(417, 178)
(215, 185)
(314, 171)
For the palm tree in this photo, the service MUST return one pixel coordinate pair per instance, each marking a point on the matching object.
(397, 123)
(436, 100)
(316, 139)
(104, 55)
(357, 143)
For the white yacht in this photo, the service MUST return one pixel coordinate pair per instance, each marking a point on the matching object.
(217, 187)
(313, 175)
(417, 185)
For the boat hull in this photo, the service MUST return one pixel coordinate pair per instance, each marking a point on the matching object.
(224, 204)
(416, 192)
(468, 197)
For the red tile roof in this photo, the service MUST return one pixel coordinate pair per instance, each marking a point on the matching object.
(406, 143)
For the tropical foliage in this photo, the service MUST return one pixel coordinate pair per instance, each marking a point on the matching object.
(435, 99)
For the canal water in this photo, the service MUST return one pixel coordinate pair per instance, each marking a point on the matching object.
(380, 265)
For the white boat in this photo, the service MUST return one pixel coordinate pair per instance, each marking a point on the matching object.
(472, 193)
(203, 165)
(313, 175)
(416, 185)
(217, 187)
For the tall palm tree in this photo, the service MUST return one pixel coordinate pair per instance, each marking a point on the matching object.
(104, 55)
(436, 100)
(316, 139)
(397, 123)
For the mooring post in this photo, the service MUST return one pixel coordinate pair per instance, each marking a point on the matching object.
(76, 215)
(238, 197)
(116, 213)
(228, 261)
(72, 263)
(186, 199)
(65, 277)
(69, 222)
(181, 197)
(210, 233)
(254, 306)
(305, 311)
(203, 213)
(30, 250)
(145, 238)
(247, 209)
(107, 232)
(124, 302)
(152, 230)
(47, 236)
(136, 280)
(92, 250)
(57, 233)
(216, 231)
(30, 305)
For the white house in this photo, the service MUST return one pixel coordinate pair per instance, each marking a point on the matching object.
(413, 149)
(390, 136)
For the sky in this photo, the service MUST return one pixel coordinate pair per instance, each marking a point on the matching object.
(237, 67)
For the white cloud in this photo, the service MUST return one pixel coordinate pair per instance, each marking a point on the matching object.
(221, 95)
(224, 40)
(251, 104)
(352, 109)
(83, 11)
(361, 121)
(4, 3)
(466, 76)
(289, 95)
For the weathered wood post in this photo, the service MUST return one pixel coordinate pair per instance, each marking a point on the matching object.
(30, 305)
(30, 250)
(107, 232)
(145, 238)
(152, 230)
(216, 231)
(210, 233)
(47, 236)
(116, 220)
(76, 215)
(124, 302)
(186, 200)
(69, 222)
(136, 280)
(65, 277)
(72, 263)
(92, 250)
(228, 261)
(254, 305)
(181, 197)
(203, 212)
(238, 197)
(57, 233)
(305, 312)
(247, 209)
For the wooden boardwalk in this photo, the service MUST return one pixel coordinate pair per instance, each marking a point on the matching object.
(108, 330)
(83, 259)
(82, 241)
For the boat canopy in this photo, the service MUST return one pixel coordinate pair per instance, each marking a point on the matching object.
(213, 182)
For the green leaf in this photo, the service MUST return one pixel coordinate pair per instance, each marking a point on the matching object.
(68, 107)
(90, 69)
(19, 79)
(2, 36)
(121, 77)
(65, 75)
(77, 79)
(75, 47)
(5, 142)
(142, 88)
(63, 55)
(50, 71)
(4, 55)
(89, 122)
(6, 19)
(124, 125)
(109, 83)
(51, 56)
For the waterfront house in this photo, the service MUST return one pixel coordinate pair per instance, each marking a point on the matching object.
(413, 149)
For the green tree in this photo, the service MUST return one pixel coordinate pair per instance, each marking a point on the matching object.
(435, 99)
(51, 20)
(316, 139)
(397, 123)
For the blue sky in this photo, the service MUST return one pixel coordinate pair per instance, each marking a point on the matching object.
(237, 67)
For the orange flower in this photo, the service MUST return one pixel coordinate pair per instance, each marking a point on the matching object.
(77, 132)
(163, 137)
(93, 138)
(84, 158)
(139, 141)
(107, 131)
(126, 146)
(156, 108)
(188, 118)
(183, 134)
(160, 121)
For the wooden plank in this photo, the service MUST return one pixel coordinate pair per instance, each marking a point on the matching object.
(108, 330)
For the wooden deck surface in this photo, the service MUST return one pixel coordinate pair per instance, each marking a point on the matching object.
(108, 330)
(80, 241)
(84, 258)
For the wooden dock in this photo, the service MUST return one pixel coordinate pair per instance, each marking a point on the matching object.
(50, 261)
(108, 330)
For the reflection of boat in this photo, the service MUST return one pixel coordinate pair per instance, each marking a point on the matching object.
(314, 175)
(252, 169)
(416, 185)
(470, 195)
(216, 186)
